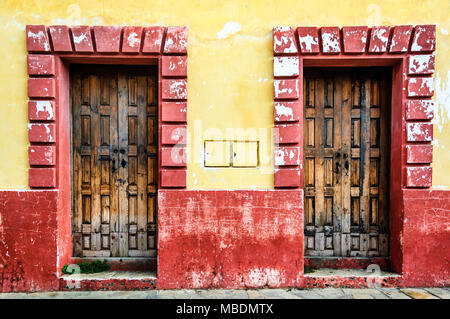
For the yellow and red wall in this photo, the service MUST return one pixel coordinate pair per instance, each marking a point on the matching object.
(230, 85)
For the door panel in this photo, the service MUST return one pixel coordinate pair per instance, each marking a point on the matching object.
(346, 138)
(114, 161)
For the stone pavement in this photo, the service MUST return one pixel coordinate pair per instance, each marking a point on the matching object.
(317, 293)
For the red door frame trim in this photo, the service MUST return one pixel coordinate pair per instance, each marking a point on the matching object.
(51, 50)
(408, 50)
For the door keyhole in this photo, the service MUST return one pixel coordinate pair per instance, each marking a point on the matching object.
(123, 163)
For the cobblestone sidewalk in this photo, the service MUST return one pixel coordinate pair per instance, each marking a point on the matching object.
(327, 293)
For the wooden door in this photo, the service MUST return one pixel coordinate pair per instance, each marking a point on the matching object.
(346, 161)
(114, 160)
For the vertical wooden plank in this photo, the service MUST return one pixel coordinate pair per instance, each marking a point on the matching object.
(328, 171)
(384, 143)
(356, 93)
(374, 210)
(152, 158)
(114, 180)
(311, 92)
(345, 244)
(329, 132)
(77, 172)
(123, 162)
(346, 156)
(309, 210)
(365, 157)
(319, 159)
(328, 210)
(375, 92)
(142, 163)
(337, 196)
(356, 132)
(96, 209)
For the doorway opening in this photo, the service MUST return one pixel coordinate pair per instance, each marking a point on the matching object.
(114, 163)
(346, 156)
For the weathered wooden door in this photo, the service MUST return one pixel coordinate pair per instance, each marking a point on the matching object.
(114, 160)
(346, 161)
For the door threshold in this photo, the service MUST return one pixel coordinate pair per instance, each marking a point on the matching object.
(313, 262)
(109, 280)
(127, 264)
(332, 272)
(108, 275)
(351, 278)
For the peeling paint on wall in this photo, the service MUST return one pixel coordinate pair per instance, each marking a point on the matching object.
(442, 97)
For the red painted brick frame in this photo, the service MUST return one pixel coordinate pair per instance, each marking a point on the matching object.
(50, 52)
(408, 50)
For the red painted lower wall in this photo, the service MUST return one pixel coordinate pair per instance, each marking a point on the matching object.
(426, 238)
(215, 239)
(230, 239)
(28, 240)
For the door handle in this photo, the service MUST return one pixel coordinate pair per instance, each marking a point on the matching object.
(346, 164)
(113, 168)
(336, 163)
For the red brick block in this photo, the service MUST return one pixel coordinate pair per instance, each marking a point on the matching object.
(41, 87)
(308, 38)
(420, 87)
(286, 89)
(41, 133)
(419, 132)
(173, 178)
(286, 111)
(355, 39)
(131, 42)
(176, 40)
(152, 39)
(107, 39)
(424, 38)
(330, 40)
(418, 176)
(37, 39)
(379, 38)
(174, 89)
(421, 64)
(60, 38)
(422, 153)
(41, 110)
(82, 39)
(173, 134)
(287, 133)
(173, 156)
(284, 40)
(42, 155)
(419, 109)
(174, 111)
(286, 66)
(174, 65)
(400, 38)
(287, 155)
(287, 178)
(40, 64)
(42, 177)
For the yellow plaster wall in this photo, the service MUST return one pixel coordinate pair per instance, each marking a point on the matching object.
(230, 68)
